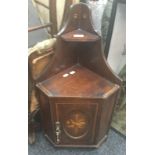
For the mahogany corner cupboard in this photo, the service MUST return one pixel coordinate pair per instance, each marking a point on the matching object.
(77, 91)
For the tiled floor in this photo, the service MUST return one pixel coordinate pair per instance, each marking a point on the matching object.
(115, 145)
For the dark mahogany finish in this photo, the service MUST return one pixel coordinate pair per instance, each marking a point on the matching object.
(77, 91)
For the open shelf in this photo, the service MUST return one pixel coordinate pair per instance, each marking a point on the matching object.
(77, 91)
(76, 81)
(79, 36)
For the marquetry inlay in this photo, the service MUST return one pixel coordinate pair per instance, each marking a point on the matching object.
(77, 90)
(76, 125)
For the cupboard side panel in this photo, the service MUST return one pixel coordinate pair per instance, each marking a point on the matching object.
(107, 108)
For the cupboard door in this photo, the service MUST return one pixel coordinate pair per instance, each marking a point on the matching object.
(75, 123)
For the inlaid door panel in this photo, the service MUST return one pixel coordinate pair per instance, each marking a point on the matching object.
(76, 122)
